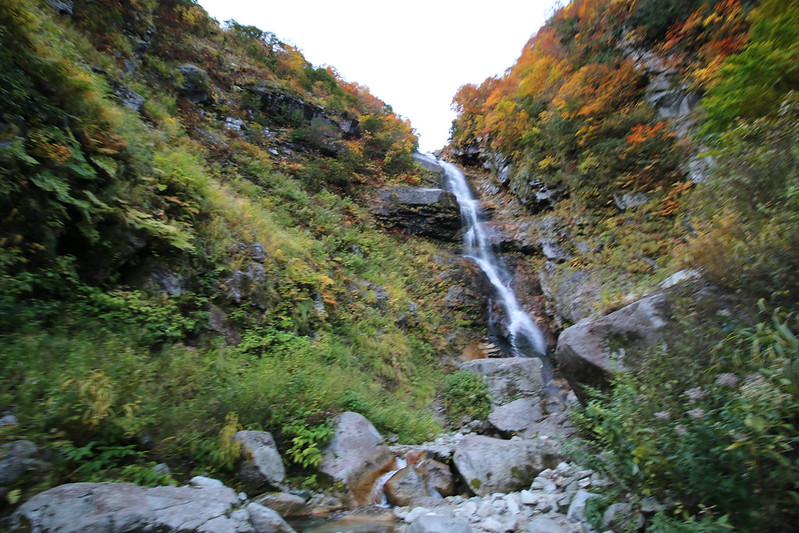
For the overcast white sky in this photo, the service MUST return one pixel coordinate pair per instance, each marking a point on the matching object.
(412, 54)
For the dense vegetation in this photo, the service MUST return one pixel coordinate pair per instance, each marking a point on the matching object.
(188, 264)
(713, 432)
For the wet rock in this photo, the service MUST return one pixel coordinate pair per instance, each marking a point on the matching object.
(419, 211)
(121, 507)
(435, 523)
(355, 456)
(248, 284)
(439, 476)
(8, 420)
(263, 466)
(407, 485)
(509, 378)
(490, 465)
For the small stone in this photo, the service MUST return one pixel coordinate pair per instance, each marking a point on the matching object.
(205, 482)
(493, 525)
(528, 497)
(486, 509)
(512, 504)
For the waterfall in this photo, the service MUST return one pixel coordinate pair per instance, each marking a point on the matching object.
(526, 338)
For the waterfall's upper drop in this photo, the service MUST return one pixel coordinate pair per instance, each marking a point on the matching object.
(526, 338)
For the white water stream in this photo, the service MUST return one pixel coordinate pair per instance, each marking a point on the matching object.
(525, 335)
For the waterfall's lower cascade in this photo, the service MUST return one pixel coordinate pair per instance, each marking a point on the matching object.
(526, 338)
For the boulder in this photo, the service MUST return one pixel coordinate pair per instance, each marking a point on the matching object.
(266, 520)
(286, 505)
(589, 352)
(576, 512)
(434, 523)
(406, 486)
(419, 211)
(517, 416)
(18, 458)
(262, 466)
(122, 507)
(439, 476)
(509, 378)
(355, 456)
(489, 465)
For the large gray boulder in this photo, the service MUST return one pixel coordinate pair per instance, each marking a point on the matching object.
(489, 465)
(591, 351)
(509, 378)
(406, 486)
(266, 520)
(262, 465)
(124, 507)
(419, 211)
(356, 457)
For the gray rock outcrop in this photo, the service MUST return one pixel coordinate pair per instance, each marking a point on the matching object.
(356, 457)
(192, 83)
(419, 211)
(491, 465)
(262, 466)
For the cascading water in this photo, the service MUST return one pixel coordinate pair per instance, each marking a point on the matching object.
(525, 335)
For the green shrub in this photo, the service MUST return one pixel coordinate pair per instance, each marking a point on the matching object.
(465, 393)
(721, 437)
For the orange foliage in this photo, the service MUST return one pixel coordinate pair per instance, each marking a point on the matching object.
(597, 89)
(644, 132)
(699, 44)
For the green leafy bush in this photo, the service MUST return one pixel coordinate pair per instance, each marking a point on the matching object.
(720, 438)
(465, 393)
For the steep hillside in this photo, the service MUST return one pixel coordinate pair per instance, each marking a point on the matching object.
(187, 249)
(630, 140)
